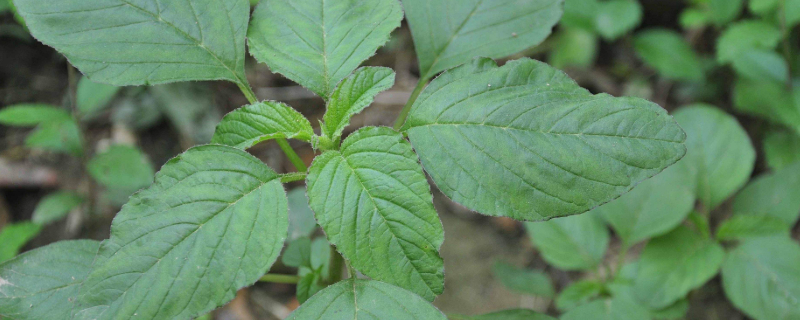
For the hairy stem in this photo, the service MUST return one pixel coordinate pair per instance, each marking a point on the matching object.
(280, 278)
(293, 176)
(407, 108)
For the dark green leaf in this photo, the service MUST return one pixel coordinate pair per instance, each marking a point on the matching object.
(353, 94)
(251, 124)
(773, 194)
(616, 17)
(781, 148)
(742, 226)
(14, 236)
(668, 53)
(122, 167)
(31, 114)
(577, 294)
(571, 243)
(531, 282)
(55, 206)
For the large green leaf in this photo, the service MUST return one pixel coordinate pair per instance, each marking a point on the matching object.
(533, 282)
(668, 53)
(55, 206)
(616, 17)
(353, 299)
(251, 124)
(42, 284)
(31, 114)
(672, 265)
(746, 35)
(448, 33)
(14, 236)
(608, 309)
(762, 278)
(375, 205)
(510, 314)
(773, 194)
(571, 243)
(135, 42)
(781, 148)
(652, 208)
(122, 167)
(214, 221)
(353, 94)
(720, 154)
(524, 141)
(317, 43)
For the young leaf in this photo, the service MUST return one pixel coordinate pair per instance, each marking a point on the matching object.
(366, 299)
(374, 203)
(720, 153)
(353, 94)
(31, 114)
(213, 221)
(124, 42)
(452, 32)
(781, 148)
(742, 226)
(524, 141)
(510, 314)
(672, 265)
(693, 18)
(578, 294)
(762, 65)
(668, 53)
(55, 206)
(121, 167)
(608, 309)
(58, 136)
(301, 218)
(42, 284)
(652, 208)
(745, 35)
(14, 236)
(573, 47)
(92, 97)
(616, 17)
(531, 282)
(247, 126)
(762, 278)
(724, 11)
(571, 243)
(298, 253)
(773, 194)
(317, 43)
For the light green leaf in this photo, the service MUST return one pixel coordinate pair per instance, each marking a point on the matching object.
(92, 97)
(251, 124)
(616, 17)
(298, 253)
(524, 141)
(720, 154)
(452, 32)
(762, 65)
(745, 35)
(653, 207)
(769, 100)
(532, 282)
(573, 47)
(32, 114)
(312, 260)
(571, 243)
(742, 226)
(580, 14)
(692, 18)
(724, 11)
(14, 236)
(213, 222)
(121, 167)
(42, 284)
(58, 136)
(773, 194)
(608, 309)
(674, 264)
(510, 314)
(762, 7)
(577, 294)
(301, 218)
(791, 13)
(762, 278)
(353, 94)
(668, 53)
(353, 299)
(374, 203)
(55, 206)
(144, 42)
(675, 311)
(781, 148)
(317, 43)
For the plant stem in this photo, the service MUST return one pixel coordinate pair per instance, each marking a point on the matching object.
(351, 271)
(623, 252)
(407, 108)
(279, 278)
(293, 176)
(248, 92)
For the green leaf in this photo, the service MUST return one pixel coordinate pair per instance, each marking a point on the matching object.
(577, 294)
(675, 311)
(55, 206)
(298, 253)
(791, 12)
(531, 282)
(762, 278)
(452, 32)
(762, 7)
(724, 11)
(692, 18)
(773, 194)
(781, 148)
(742, 226)
(374, 203)
(32, 114)
(14, 236)
(769, 100)
(746, 35)
(720, 154)
(571, 243)
(608, 309)
(92, 97)
(247, 126)
(580, 14)
(573, 47)
(674, 264)
(524, 141)
(617, 17)
(58, 136)
(213, 222)
(762, 65)
(317, 43)
(190, 107)
(301, 218)
(42, 284)
(653, 207)
(668, 53)
(365, 299)
(312, 260)
(353, 94)
(121, 167)
(126, 42)
(510, 314)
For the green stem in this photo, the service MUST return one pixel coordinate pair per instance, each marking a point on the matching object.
(407, 108)
(293, 157)
(293, 176)
(701, 222)
(279, 278)
(351, 271)
(248, 92)
(623, 252)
